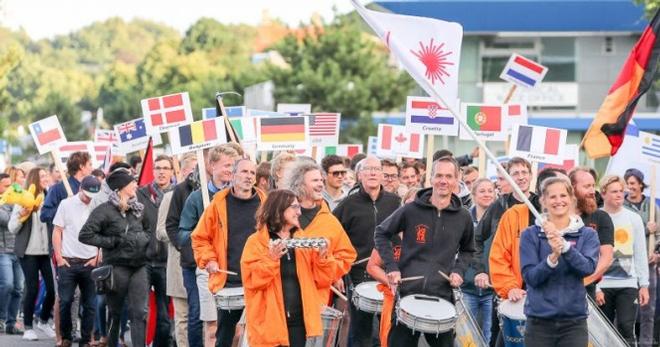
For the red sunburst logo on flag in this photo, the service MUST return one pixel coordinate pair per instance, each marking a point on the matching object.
(434, 57)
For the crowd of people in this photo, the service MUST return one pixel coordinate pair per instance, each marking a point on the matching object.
(280, 247)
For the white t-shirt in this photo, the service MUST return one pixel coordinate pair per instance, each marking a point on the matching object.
(71, 216)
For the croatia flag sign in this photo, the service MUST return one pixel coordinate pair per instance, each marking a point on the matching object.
(523, 72)
(395, 140)
(163, 112)
(538, 144)
(425, 116)
(47, 134)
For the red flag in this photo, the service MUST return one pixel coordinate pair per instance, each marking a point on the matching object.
(605, 135)
(147, 171)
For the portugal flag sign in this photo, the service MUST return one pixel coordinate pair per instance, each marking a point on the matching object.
(605, 135)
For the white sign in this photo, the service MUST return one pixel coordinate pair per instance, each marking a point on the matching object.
(559, 94)
(425, 116)
(282, 133)
(197, 135)
(47, 134)
(294, 109)
(394, 140)
(487, 121)
(538, 144)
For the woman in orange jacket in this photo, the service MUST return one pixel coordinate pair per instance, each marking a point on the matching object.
(282, 304)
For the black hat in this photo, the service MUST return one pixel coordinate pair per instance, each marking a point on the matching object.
(119, 179)
(91, 186)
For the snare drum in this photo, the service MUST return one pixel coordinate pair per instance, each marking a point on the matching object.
(367, 298)
(230, 299)
(426, 314)
(331, 320)
(512, 322)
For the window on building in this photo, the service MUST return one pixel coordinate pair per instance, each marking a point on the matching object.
(608, 45)
(558, 54)
(495, 52)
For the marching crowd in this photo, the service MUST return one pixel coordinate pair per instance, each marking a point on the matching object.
(282, 244)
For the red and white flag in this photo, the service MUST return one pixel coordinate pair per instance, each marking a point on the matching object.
(394, 140)
(47, 134)
(69, 148)
(163, 112)
(428, 48)
(103, 141)
(516, 114)
(324, 129)
(105, 136)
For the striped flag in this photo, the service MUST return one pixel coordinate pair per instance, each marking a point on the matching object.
(606, 132)
(516, 114)
(426, 116)
(487, 121)
(342, 150)
(197, 135)
(651, 147)
(538, 144)
(232, 111)
(282, 133)
(523, 72)
(324, 128)
(395, 140)
(47, 134)
(69, 148)
(163, 112)
(245, 128)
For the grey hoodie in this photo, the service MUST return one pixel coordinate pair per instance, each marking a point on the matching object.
(7, 239)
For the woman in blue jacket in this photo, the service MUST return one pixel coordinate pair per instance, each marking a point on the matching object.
(554, 258)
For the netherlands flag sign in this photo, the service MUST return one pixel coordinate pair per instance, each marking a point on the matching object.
(523, 72)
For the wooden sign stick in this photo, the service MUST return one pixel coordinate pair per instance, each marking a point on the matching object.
(206, 200)
(58, 165)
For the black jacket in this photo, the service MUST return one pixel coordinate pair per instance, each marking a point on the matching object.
(157, 250)
(179, 196)
(485, 231)
(359, 215)
(123, 238)
(431, 241)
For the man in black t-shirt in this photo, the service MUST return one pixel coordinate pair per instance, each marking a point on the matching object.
(583, 180)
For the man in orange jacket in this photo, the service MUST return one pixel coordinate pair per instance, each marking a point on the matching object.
(304, 178)
(220, 236)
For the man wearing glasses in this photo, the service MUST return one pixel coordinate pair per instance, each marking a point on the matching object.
(335, 172)
(151, 196)
(366, 206)
(391, 177)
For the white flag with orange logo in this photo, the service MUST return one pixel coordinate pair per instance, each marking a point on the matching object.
(430, 49)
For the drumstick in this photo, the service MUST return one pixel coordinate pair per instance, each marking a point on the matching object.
(412, 278)
(444, 275)
(361, 261)
(228, 272)
(339, 294)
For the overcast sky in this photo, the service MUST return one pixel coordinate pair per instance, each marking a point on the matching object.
(47, 18)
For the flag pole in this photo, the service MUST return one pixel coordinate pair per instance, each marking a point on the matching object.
(482, 163)
(509, 95)
(221, 105)
(58, 165)
(206, 200)
(430, 148)
(652, 210)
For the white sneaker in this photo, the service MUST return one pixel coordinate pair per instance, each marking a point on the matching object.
(46, 329)
(30, 335)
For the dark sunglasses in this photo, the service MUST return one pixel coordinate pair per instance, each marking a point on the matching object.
(338, 173)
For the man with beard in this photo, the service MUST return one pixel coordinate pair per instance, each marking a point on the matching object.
(219, 238)
(583, 180)
(305, 179)
(366, 206)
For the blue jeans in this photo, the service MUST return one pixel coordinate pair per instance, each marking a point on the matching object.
(195, 338)
(481, 309)
(11, 287)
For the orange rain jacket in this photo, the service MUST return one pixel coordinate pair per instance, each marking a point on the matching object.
(209, 239)
(326, 225)
(264, 300)
(504, 259)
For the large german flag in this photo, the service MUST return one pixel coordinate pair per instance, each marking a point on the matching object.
(605, 135)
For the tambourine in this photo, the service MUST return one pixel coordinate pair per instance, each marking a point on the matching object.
(305, 242)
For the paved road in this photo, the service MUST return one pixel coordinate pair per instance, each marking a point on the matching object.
(17, 341)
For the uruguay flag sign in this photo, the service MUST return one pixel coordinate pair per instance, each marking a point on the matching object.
(425, 116)
(523, 72)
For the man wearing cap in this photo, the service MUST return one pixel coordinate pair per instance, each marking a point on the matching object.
(75, 260)
(638, 202)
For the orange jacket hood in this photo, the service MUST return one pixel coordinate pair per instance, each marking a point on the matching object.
(504, 259)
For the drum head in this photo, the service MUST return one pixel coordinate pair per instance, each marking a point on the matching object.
(369, 290)
(236, 291)
(329, 312)
(428, 307)
(513, 310)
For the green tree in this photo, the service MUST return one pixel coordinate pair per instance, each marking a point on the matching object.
(67, 113)
(339, 67)
(650, 6)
